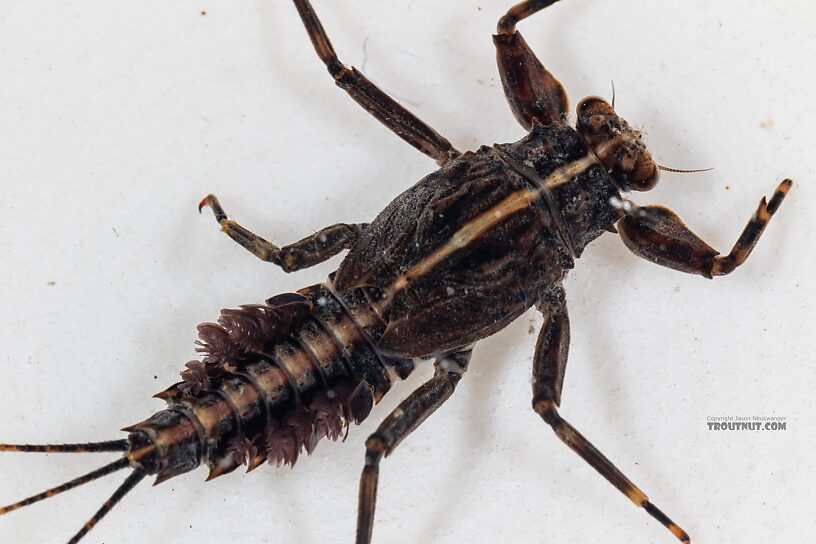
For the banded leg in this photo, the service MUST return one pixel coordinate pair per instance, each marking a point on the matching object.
(657, 234)
(549, 367)
(401, 121)
(402, 421)
(532, 91)
(310, 251)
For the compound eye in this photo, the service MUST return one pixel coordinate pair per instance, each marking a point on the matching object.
(644, 175)
(594, 113)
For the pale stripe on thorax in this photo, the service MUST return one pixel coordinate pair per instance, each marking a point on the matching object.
(480, 224)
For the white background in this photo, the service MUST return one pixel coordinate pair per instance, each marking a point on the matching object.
(116, 118)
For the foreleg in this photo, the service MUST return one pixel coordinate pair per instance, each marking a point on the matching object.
(532, 91)
(657, 234)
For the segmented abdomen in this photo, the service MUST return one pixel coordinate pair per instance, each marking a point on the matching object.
(274, 380)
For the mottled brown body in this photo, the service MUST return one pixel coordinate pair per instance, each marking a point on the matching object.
(352, 332)
(486, 282)
(453, 259)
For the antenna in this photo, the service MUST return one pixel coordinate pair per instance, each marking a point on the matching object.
(667, 169)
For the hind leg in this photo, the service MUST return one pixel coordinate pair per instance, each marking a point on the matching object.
(401, 121)
(549, 367)
(402, 421)
(533, 92)
(312, 250)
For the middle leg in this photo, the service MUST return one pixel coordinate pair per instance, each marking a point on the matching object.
(312, 250)
(549, 366)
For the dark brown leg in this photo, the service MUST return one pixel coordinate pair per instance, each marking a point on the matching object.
(549, 366)
(401, 121)
(658, 235)
(533, 92)
(402, 421)
(310, 251)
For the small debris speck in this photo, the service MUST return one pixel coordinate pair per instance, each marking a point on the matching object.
(767, 123)
(203, 12)
(51, 283)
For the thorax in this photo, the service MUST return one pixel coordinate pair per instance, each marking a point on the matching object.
(473, 245)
